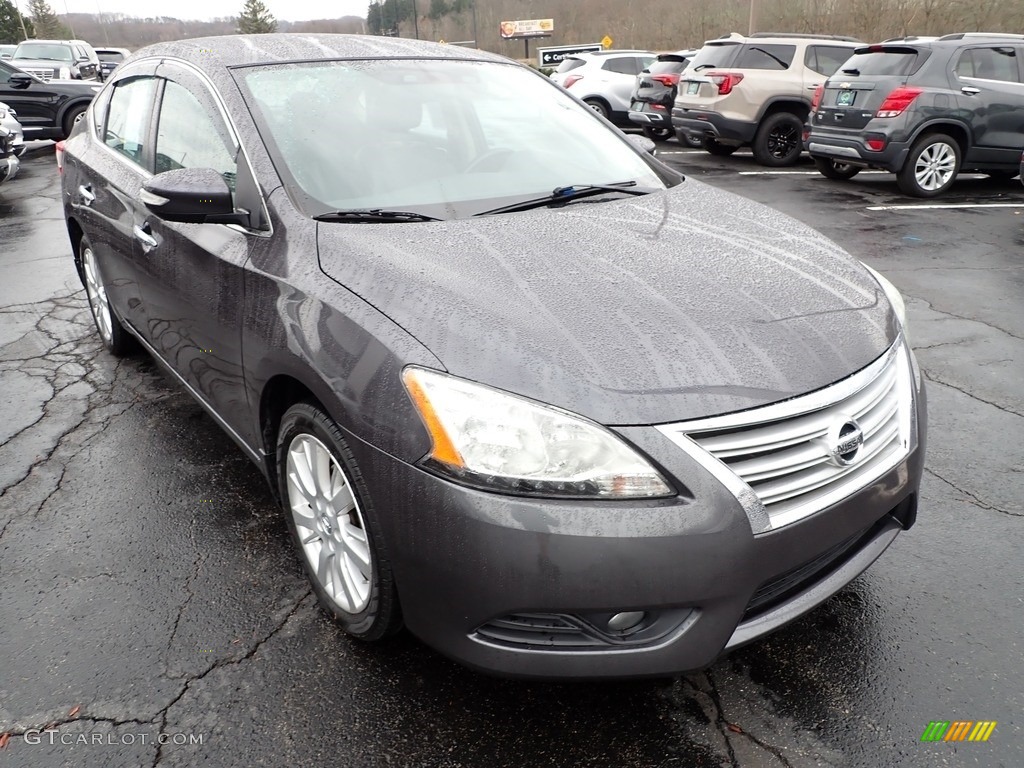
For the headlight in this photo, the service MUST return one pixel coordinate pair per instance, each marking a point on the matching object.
(501, 442)
(64, 73)
(892, 293)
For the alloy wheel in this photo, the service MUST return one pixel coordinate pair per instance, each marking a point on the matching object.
(935, 166)
(782, 141)
(329, 523)
(97, 296)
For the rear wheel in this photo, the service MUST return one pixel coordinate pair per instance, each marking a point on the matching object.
(835, 169)
(333, 524)
(719, 150)
(115, 338)
(74, 116)
(657, 134)
(598, 106)
(777, 142)
(931, 167)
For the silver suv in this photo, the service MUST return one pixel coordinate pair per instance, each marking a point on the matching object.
(603, 79)
(756, 90)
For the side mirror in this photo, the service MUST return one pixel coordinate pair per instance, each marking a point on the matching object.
(642, 143)
(19, 80)
(191, 196)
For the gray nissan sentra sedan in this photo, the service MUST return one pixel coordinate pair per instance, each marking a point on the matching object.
(518, 386)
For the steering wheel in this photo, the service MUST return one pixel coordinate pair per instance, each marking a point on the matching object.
(491, 160)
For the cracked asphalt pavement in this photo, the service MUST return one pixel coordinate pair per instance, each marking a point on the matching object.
(152, 611)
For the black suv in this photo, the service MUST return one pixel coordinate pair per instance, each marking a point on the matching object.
(45, 110)
(924, 110)
(650, 106)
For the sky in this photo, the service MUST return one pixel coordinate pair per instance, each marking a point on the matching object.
(285, 10)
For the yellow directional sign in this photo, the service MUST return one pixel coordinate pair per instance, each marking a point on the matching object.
(607, 42)
(442, 42)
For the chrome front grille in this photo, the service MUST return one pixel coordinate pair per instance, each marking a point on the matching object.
(788, 458)
(43, 73)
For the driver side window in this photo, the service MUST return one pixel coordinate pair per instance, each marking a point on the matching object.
(127, 126)
(188, 136)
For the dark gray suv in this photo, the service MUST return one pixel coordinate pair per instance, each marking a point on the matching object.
(924, 110)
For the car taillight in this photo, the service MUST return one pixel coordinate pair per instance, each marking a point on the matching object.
(725, 81)
(875, 145)
(897, 101)
(60, 157)
(666, 80)
(571, 79)
(816, 100)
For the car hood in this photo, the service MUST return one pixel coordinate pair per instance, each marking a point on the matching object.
(676, 305)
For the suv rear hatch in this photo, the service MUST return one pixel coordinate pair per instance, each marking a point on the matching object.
(716, 54)
(873, 80)
(657, 84)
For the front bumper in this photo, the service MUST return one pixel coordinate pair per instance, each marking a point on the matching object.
(703, 123)
(520, 587)
(9, 167)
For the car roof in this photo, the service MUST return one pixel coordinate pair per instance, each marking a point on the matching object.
(249, 50)
(614, 52)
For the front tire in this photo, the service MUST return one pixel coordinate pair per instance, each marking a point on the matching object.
(777, 142)
(334, 526)
(598, 106)
(835, 169)
(113, 335)
(74, 116)
(931, 167)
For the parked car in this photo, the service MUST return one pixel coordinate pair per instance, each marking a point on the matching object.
(603, 79)
(57, 59)
(7, 51)
(110, 58)
(509, 400)
(925, 110)
(9, 162)
(9, 122)
(756, 91)
(45, 110)
(654, 94)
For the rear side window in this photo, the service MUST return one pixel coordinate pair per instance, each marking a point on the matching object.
(825, 59)
(127, 127)
(715, 55)
(626, 65)
(989, 64)
(757, 56)
(898, 63)
(568, 64)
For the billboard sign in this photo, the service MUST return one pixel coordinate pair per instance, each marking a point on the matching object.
(517, 30)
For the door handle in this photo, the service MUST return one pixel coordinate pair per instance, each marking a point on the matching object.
(85, 192)
(970, 90)
(142, 235)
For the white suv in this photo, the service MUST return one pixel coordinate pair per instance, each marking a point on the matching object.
(756, 90)
(603, 79)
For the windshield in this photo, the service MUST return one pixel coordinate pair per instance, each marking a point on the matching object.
(714, 55)
(43, 51)
(446, 138)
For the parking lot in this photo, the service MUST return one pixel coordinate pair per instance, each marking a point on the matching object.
(149, 593)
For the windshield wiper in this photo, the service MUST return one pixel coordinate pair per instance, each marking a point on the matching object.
(376, 215)
(562, 195)
(699, 67)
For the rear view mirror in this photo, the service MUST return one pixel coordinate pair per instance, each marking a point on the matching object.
(19, 80)
(191, 196)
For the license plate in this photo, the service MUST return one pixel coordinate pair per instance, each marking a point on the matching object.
(692, 88)
(845, 98)
(638, 106)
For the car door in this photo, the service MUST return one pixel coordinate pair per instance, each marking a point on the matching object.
(191, 274)
(103, 183)
(991, 96)
(35, 105)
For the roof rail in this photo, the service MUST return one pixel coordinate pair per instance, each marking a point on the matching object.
(964, 35)
(802, 35)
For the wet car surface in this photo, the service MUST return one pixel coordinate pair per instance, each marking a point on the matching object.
(148, 586)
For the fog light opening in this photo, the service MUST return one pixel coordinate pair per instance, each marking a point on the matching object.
(623, 622)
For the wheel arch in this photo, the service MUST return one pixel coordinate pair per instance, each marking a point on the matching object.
(279, 393)
(799, 107)
(69, 105)
(956, 130)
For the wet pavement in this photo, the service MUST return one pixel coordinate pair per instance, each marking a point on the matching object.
(149, 593)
